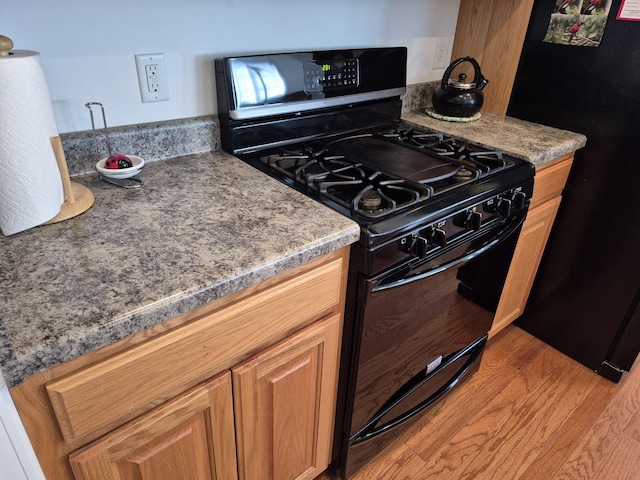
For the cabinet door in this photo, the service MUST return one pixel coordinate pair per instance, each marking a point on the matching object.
(524, 265)
(188, 438)
(284, 405)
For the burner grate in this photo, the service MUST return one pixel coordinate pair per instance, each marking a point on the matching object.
(363, 190)
(379, 172)
(486, 161)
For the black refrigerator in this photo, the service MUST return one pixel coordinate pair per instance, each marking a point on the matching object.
(584, 301)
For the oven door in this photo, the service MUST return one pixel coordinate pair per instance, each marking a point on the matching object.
(422, 333)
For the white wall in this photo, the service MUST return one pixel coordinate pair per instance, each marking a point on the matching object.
(17, 459)
(87, 46)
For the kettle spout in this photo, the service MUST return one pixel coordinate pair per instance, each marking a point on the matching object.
(482, 83)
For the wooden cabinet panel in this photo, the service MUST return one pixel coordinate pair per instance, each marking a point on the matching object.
(284, 406)
(524, 265)
(549, 183)
(189, 438)
(493, 31)
(90, 401)
(550, 180)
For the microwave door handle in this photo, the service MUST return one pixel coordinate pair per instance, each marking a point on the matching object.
(370, 430)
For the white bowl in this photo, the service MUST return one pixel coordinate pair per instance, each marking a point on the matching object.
(138, 163)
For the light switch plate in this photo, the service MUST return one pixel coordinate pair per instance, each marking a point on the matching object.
(152, 77)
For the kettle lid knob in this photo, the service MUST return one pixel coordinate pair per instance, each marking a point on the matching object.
(461, 83)
(5, 45)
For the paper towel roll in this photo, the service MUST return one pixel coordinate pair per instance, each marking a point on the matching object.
(31, 189)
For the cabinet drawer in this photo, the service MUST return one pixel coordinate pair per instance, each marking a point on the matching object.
(550, 180)
(94, 400)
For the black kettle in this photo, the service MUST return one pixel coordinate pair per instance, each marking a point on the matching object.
(460, 98)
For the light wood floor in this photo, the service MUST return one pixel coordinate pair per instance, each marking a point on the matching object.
(528, 413)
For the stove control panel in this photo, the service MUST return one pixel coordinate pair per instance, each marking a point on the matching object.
(505, 203)
(470, 219)
(331, 75)
(418, 245)
(427, 239)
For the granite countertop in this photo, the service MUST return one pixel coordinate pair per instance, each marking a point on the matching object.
(201, 227)
(538, 144)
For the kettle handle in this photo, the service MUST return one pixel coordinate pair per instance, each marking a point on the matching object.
(479, 79)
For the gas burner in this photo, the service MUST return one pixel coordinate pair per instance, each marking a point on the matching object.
(464, 173)
(370, 200)
(374, 194)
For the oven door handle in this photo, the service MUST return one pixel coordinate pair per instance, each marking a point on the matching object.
(371, 429)
(511, 227)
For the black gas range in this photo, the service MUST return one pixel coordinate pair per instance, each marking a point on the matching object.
(439, 220)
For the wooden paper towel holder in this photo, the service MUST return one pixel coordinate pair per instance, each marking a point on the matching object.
(77, 198)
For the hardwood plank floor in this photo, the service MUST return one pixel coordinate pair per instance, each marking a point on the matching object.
(529, 413)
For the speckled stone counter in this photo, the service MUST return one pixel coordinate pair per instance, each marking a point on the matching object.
(536, 143)
(201, 227)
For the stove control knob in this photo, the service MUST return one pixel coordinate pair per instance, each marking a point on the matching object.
(419, 247)
(504, 207)
(474, 221)
(519, 200)
(439, 237)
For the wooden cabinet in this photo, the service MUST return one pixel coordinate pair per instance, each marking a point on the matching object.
(284, 406)
(549, 182)
(190, 437)
(492, 32)
(159, 405)
(524, 265)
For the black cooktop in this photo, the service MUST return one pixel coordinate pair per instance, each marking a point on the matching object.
(384, 171)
